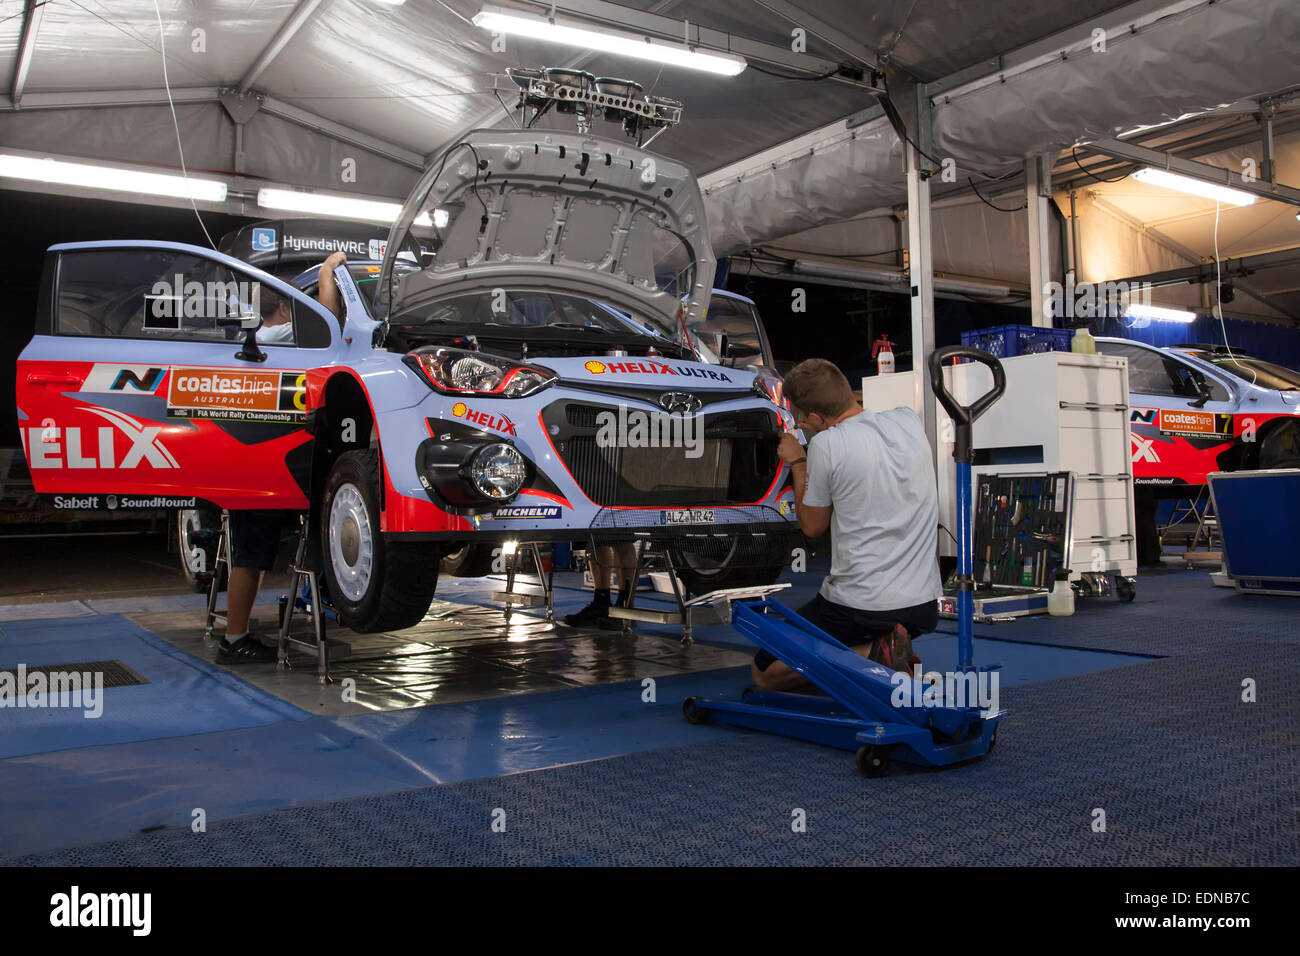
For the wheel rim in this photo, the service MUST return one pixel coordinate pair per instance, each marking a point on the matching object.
(189, 522)
(352, 545)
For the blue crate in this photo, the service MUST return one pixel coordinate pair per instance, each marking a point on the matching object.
(1007, 341)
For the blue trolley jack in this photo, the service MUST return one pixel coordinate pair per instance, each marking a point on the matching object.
(881, 714)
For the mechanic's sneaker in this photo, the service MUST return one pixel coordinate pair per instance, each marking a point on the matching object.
(608, 623)
(247, 650)
(590, 616)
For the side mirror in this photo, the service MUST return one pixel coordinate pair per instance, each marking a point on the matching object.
(739, 350)
(250, 322)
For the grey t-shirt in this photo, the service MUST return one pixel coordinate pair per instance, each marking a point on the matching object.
(875, 470)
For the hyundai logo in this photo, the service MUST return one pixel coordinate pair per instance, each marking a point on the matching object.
(680, 402)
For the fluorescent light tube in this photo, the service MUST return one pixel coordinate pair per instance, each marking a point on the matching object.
(1194, 187)
(1157, 314)
(45, 170)
(322, 205)
(344, 207)
(600, 39)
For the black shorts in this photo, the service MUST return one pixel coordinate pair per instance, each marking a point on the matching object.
(255, 538)
(853, 627)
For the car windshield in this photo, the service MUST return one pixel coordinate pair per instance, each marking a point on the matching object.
(525, 310)
(1256, 371)
(738, 322)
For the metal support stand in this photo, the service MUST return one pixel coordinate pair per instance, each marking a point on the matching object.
(320, 645)
(222, 560)
(683, 616)
(1038, 193)
(920, 259)
(512, 597)
(1194, 520)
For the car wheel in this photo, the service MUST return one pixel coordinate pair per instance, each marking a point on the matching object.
(468, 561)
(710, 564)
(376, 584)
(198, 531)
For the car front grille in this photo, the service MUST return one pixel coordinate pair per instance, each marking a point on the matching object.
(736, 463)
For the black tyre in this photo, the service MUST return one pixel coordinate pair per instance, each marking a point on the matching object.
(376, 584)
(468, 561)
(692, 712)
(873, 760)
(1125, 589)
(712, 563)
(198, 532)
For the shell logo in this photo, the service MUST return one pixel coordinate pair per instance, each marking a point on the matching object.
(595, 368)
(459, 409)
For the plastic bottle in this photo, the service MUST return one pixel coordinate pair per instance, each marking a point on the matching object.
(1027, 576)
(1060, 600)
(1083, 342)
(884, 362)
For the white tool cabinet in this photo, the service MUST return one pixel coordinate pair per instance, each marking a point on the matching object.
(1062, 411)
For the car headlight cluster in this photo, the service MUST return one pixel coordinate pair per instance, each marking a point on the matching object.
(461, 372)
(498, 471)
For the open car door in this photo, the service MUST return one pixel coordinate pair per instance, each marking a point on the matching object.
(138, 380)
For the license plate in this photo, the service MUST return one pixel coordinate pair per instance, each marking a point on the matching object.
(689, 517)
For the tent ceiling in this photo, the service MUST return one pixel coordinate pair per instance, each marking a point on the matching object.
(407, 80)
(418, 74)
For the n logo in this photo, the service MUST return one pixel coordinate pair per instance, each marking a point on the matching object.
(147, 383)
(1145, 416)
(107, 378)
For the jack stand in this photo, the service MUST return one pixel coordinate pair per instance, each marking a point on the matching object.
(523, 598)
(320, 645)
(859, 712)
(222, 560)
(684, 613)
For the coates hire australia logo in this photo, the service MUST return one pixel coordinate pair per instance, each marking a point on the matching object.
(263, 240)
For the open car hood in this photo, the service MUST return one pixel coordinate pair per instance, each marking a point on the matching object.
(503, 208)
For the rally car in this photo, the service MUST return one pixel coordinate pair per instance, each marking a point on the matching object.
(1195, 409)
(466, 399)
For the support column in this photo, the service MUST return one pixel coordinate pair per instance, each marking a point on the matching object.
(920, 260)
(1038, 191)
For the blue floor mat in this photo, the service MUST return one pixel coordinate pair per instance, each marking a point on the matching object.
(73, 797)
(1187, 774)
(184, 696)
(1063, 728)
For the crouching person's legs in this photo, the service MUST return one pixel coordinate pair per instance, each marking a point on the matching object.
(768, 673)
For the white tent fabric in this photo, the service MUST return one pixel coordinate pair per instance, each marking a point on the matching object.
(1204, 58)
(1194, 61)
(384, 86)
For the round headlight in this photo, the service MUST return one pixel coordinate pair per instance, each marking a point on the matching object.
(498, 471)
